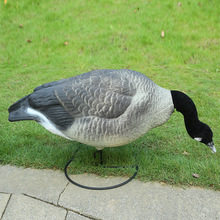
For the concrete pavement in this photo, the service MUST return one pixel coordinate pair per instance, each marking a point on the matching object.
(46, 194)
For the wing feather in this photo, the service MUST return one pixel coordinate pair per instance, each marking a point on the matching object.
(100, 95)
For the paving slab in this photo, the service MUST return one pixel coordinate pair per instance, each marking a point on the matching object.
(22, 207)
(44, 184)
(46, 194)
(75, 216)
(3, 202)
(138, 200)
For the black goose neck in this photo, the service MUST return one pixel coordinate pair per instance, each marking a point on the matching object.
(186, 106)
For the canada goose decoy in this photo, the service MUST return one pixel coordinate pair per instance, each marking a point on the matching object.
(107, 108)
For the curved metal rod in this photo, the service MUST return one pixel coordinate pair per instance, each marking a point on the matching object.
(100, 188)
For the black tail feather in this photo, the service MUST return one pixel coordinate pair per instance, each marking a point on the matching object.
(17, 111)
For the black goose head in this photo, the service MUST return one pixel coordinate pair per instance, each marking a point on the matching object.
(202, 133)
(196, 129)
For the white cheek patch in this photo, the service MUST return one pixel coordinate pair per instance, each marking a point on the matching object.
(198, 139)
(45, 122)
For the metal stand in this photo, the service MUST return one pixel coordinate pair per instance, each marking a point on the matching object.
(100, 188)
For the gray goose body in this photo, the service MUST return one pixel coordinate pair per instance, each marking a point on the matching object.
(107, 108)
(101, 108)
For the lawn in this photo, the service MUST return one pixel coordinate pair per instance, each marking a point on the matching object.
(43, 41)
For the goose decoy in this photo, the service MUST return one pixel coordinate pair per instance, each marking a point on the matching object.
(107, 108)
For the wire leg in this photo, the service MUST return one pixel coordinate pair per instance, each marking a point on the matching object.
(100, 153)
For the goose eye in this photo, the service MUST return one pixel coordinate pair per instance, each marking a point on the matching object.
(198, 139)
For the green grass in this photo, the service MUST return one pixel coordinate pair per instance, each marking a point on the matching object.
(114, 34)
